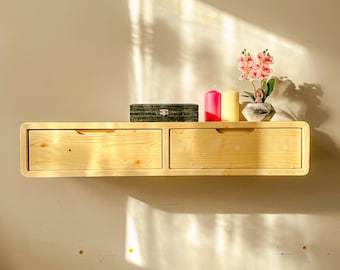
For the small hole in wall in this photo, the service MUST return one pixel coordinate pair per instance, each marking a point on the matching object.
(304, 247)
(81, 252)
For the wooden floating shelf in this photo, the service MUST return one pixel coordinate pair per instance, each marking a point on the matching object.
(92, 149)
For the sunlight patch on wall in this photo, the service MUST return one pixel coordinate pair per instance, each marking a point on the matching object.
(179, 49)
(165, 240)
(136, 223)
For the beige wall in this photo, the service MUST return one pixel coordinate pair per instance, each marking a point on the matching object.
(84, 60)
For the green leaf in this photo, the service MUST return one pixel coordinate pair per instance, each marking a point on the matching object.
(270, 85)
(264, 86)
(249, 94)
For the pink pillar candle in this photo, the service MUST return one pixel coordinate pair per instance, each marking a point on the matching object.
(212, 105)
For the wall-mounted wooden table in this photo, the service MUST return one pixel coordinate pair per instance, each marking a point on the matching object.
(69, 149)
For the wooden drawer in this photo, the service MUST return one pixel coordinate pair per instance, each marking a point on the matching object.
(112, 149)
(235, 148)
(93, 149)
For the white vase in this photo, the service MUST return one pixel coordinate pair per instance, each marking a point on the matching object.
(258, 111)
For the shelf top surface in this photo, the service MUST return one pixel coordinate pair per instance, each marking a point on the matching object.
(162, 125)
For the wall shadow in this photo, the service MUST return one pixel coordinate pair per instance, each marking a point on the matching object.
(196, 215)
(314, 193)
(172, 216)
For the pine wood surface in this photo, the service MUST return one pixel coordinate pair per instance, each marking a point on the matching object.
(69, 149)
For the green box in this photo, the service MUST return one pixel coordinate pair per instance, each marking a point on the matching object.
(164, 112)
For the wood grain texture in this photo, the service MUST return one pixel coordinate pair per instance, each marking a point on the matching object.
(70, 149)
(236, 148)
(94, 149)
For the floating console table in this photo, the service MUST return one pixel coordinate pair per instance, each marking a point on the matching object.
(91, 149)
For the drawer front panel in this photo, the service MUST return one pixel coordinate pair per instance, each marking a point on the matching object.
(231, 148)
(116, 149)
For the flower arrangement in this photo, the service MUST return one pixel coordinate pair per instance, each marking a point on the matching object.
(257, 68)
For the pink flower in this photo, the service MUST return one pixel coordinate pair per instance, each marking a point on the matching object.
(255, 69)
(242, 77)
(268, 59)
(249, 59)
(260, 55)
(263, 76)
(254, 74)
(241, 59)
(265, 68)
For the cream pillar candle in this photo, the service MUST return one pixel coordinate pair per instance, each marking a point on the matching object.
(230, 106)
